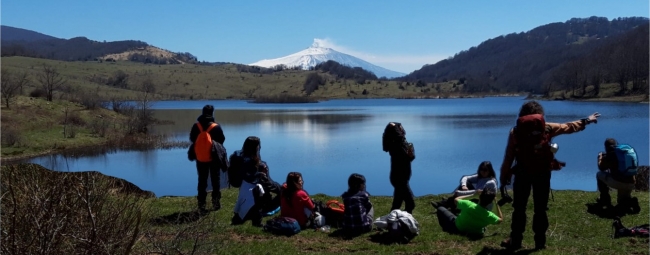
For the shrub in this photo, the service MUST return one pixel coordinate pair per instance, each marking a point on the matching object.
(99, 127)
(37, 93)
(10, 136)
(47, 212)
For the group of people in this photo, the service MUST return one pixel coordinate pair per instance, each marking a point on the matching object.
(529, 147)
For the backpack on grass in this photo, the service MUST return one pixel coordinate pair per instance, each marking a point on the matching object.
(627, 160)
(282, 226)
(622, 231)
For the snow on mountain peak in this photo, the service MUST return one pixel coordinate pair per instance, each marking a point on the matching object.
(318, 53)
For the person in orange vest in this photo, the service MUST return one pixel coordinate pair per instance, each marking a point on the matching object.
(203, 132)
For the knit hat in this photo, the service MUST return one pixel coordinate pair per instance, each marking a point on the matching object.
(208, 110)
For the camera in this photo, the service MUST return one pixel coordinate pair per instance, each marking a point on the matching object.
(505, 197)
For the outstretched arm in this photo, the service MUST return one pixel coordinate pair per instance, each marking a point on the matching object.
(572, 127)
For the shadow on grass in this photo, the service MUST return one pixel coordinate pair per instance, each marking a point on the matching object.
(610, 212)
(339, 233)
(387, 238)
(178, 218)
(492, 251)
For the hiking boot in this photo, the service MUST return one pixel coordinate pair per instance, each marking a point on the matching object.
(216, 205)
(203, 211)
(509, 244)
(435, 204)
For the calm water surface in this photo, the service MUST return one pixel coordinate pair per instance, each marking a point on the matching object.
(328, 141)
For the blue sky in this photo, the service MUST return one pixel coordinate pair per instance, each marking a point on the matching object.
(398, 35)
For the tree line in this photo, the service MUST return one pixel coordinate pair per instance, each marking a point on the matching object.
(526, 61)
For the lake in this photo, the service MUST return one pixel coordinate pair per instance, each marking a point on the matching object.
(328, 141)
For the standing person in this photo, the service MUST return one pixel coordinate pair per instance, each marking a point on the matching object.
(609, 176)
(473, 218)
(358, 213)
(401, 154)
(206, 164)
(255, 193)
(529, 144)
(295, 202)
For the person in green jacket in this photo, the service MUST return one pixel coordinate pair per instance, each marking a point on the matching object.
(473, 218)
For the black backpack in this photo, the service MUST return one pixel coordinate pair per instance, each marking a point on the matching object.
(235, 175)
(622, 231)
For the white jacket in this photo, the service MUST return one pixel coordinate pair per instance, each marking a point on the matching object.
(245, 200)
(400, 216)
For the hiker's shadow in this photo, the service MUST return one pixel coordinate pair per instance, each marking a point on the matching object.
(386, 238)
(178, 218)
(492, 251)
(339, 233)
(602, 212)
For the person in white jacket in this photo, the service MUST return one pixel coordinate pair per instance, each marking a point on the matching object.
(470, 184)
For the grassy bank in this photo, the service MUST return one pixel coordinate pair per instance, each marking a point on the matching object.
(124, 217)
(34, 126)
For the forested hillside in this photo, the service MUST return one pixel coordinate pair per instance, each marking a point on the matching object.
(528, 61)
(26, 43)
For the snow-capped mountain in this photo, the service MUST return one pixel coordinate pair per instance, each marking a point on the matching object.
(316, 54)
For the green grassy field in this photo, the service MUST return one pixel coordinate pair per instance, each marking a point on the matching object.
(194, 82)
(572, 230)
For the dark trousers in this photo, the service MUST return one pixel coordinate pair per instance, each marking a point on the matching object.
(205, 170)
(541, 185)
(404, 194)
(447, 220)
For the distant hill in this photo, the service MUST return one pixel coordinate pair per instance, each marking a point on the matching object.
(8, 34)
(84, 49)
(525, 61)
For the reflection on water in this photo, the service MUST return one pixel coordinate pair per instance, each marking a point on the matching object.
(328, 141)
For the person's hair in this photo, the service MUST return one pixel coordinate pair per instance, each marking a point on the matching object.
(531, 107)
(394, 134)
(293, 185)
(610, 143)
(208, 110)
(356, 183)
(250, 149)
(486, 165)
(486, 197)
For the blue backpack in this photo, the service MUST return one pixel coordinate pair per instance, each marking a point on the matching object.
(282, 226)
(627, 160)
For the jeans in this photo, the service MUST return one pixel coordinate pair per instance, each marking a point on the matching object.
(605, 181)
(447, 220)
(541, 185)
(404, 194)
(205, 169)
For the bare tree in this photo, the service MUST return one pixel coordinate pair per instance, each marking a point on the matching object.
(144, 115)
(11, 85)
(50, 80)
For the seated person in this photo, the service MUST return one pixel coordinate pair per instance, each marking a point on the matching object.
(295, 202)
(485, 177)
(610, 177)
(255, 197)
(358, 213)
(473, 218)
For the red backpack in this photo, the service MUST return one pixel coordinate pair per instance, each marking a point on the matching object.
(203, 143)
(533, 143)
